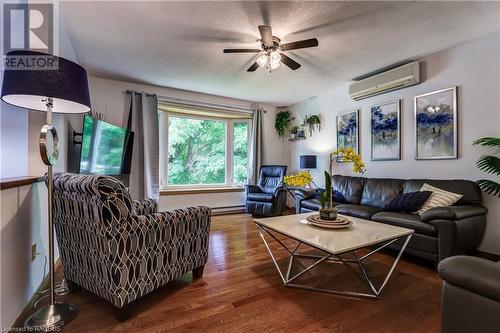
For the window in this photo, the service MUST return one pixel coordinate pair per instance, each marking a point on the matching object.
(202, 151)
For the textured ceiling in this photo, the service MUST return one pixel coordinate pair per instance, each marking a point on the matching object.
(179, 44)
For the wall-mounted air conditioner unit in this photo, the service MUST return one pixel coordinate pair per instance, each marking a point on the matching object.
(397, 78)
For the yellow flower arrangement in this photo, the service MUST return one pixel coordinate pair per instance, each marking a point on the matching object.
(349, 155)
(303, 178)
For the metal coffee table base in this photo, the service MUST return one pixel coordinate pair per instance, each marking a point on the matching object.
(331, 258)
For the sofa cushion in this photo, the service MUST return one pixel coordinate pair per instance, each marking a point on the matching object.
(338, 197)
(438, 198)
(262, 197)
(410, 221)
(408, 202)
(378, 192)
(363, 212)
(350, 187)
(311, 204)
(469, 189)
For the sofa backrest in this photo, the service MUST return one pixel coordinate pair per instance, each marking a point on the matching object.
(378, 192)
(271, 177)
(470, 190)
(350, 187)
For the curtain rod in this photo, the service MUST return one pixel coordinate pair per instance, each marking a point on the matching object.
(205, 104)
(138, 93)
(197, 103)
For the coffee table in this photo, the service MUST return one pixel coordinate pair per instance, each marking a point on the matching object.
(334, 246)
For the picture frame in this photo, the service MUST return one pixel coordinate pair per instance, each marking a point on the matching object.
(436, 125)
(385, 131)
(347, 128)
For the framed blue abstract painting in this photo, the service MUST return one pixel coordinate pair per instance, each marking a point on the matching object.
(348, 130)
(436, 125)
(385, 124)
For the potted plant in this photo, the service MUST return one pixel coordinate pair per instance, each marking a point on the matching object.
(489, 164)
(328, 211)
(294, 132)
(313, 122)
(281, 122)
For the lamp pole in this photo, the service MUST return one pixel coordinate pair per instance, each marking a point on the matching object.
(55, 314)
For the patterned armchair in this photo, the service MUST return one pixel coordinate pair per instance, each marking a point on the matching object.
(121, 249)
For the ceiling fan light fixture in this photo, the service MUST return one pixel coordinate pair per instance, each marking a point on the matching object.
(275, 64)
(275, 57)
(262, 60)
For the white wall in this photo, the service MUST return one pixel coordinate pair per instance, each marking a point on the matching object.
(23, 217)
(475, 68)
(13, 141)
(108, 97)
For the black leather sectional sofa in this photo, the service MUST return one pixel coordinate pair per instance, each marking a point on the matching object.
(439, 232)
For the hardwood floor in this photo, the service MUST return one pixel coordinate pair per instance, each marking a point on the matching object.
(242, 292)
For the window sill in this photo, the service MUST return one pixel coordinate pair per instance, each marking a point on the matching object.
(202, 190)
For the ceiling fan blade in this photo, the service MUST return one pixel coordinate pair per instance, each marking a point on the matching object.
(302, 44)
(266, 34)
(241, 50)
(252, 68)
(289, 62)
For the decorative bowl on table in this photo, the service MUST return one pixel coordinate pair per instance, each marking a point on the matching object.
(340, 223)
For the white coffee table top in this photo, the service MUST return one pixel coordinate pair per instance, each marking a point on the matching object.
(360, 234)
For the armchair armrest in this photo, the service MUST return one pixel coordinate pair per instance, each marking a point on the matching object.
(146, 206)
(477, 275)
(453, 212)
(252, 189)
(278, 190)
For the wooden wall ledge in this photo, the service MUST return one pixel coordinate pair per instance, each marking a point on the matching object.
(11, 182)
(201, 190)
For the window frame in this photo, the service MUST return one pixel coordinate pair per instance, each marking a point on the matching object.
(163, 117)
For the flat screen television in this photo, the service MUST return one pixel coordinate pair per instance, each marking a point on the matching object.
(106, 148)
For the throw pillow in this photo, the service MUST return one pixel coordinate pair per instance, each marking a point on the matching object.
(407, 202)
(338, 197)
(438, 198)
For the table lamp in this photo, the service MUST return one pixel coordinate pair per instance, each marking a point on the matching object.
(308, 162)
(60, 90)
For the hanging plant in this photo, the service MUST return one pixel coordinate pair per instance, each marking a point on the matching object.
(281, 122)
(313, 122)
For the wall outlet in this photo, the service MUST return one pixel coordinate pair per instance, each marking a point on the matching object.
(33, 251)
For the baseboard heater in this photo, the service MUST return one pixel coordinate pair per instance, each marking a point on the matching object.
(222, 210)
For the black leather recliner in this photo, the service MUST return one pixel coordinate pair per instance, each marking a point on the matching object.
(268, 197)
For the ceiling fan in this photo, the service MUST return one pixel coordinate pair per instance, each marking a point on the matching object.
(272, 50)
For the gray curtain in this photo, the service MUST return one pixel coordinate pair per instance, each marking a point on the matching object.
(143, 120)
(256, 147)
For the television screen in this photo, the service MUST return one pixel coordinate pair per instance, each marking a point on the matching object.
(106, 148)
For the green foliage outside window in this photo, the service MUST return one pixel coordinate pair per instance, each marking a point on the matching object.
(196, 151)
(240, 152)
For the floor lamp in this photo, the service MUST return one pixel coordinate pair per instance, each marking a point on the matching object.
(62, 88)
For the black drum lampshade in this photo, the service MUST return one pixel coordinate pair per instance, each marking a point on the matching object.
(67, 85)
(308, 162)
